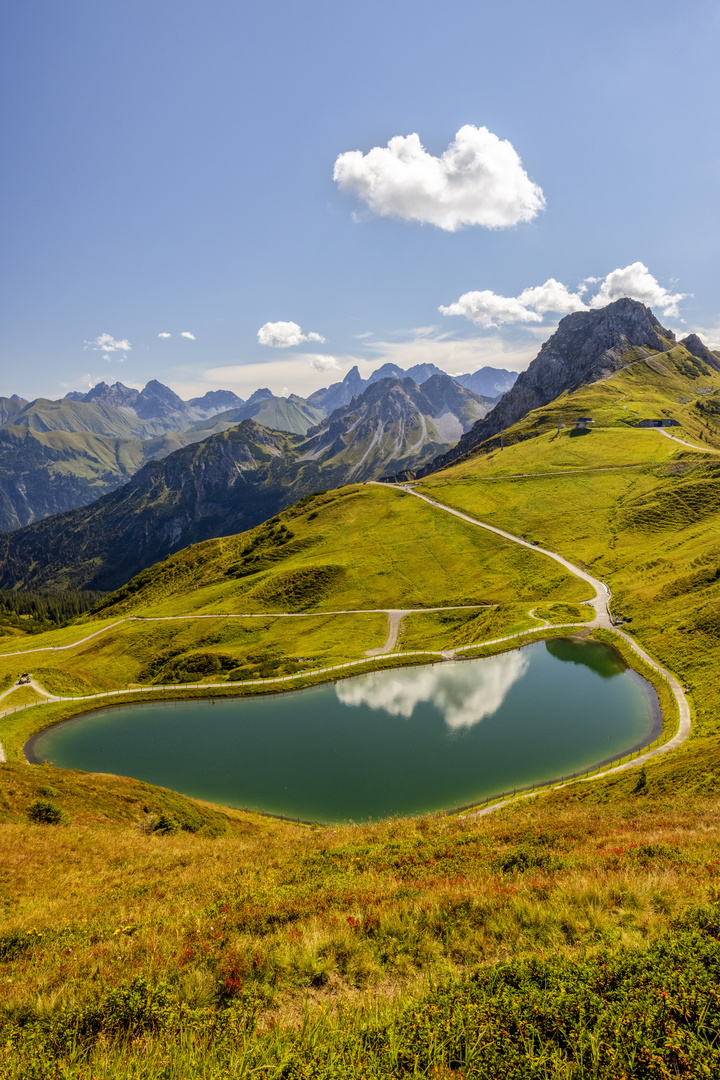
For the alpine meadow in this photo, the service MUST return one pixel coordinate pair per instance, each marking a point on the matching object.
(360, 543)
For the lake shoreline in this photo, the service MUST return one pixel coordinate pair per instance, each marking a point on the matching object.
(308, 805)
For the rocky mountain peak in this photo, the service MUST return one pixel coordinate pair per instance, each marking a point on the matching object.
(587, 346)
(699, 349)
(118, 395)
(217, 400)
(259, 395)
(156, 399)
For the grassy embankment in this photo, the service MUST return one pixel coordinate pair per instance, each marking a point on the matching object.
(573, 916)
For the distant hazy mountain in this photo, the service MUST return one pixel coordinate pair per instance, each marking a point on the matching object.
(494, 381)
(217, 401)
(235, 479)
(157, 401)
(10, 407)
(488, 381)
(277, 413)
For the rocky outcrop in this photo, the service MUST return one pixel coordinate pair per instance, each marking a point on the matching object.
(118, 395)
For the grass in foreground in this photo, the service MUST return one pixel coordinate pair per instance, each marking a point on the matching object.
(127, 952)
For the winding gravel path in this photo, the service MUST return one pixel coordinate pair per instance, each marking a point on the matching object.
(390, 612)
(702, 449)
(603, 619)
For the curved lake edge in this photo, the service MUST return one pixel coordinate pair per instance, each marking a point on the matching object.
(660, 722)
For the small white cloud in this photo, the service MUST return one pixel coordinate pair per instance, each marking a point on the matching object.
(105, 343)
(284, 391)
(478, 180)
(325, 363)
(637, 282)
(186, 334)
(361, 337)
(164, 334)
(281, 335)
(488, 309)
(552, 296)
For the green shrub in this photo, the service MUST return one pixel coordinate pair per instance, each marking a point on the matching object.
(44, 812)
(165, 824)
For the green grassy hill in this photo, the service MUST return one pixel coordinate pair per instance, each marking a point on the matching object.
(569, 935)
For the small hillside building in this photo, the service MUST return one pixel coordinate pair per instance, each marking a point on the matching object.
(583, 421)
(664, 421)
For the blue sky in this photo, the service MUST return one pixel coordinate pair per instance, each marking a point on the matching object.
(169, 168)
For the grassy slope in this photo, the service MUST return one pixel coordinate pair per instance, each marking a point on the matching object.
(273, 915)
(583, 881)
(673, 385)
(319, 556)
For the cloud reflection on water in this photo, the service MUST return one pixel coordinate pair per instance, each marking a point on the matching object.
(465, 693)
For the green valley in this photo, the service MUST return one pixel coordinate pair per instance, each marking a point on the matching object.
(571, 933)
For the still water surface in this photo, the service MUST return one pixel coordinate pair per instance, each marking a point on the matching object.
(407, 741)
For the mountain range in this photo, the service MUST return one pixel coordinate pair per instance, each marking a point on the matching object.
(59, 455)
(234, 479)
(230, 478)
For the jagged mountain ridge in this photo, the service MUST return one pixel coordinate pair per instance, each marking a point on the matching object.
(157, 401)
(231, 481)
(484, 382)
(394, 420)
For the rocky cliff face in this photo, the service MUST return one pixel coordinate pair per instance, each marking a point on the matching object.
(587, 346)
(699, 349)
(392, 424)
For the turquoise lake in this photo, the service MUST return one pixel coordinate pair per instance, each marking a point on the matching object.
(400, 742)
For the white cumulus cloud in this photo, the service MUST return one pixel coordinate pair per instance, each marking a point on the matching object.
(637, 282)
(478, 180)
(164, 334)
(281, 335)
(186, 334)
(489, 309)
(325, 363)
